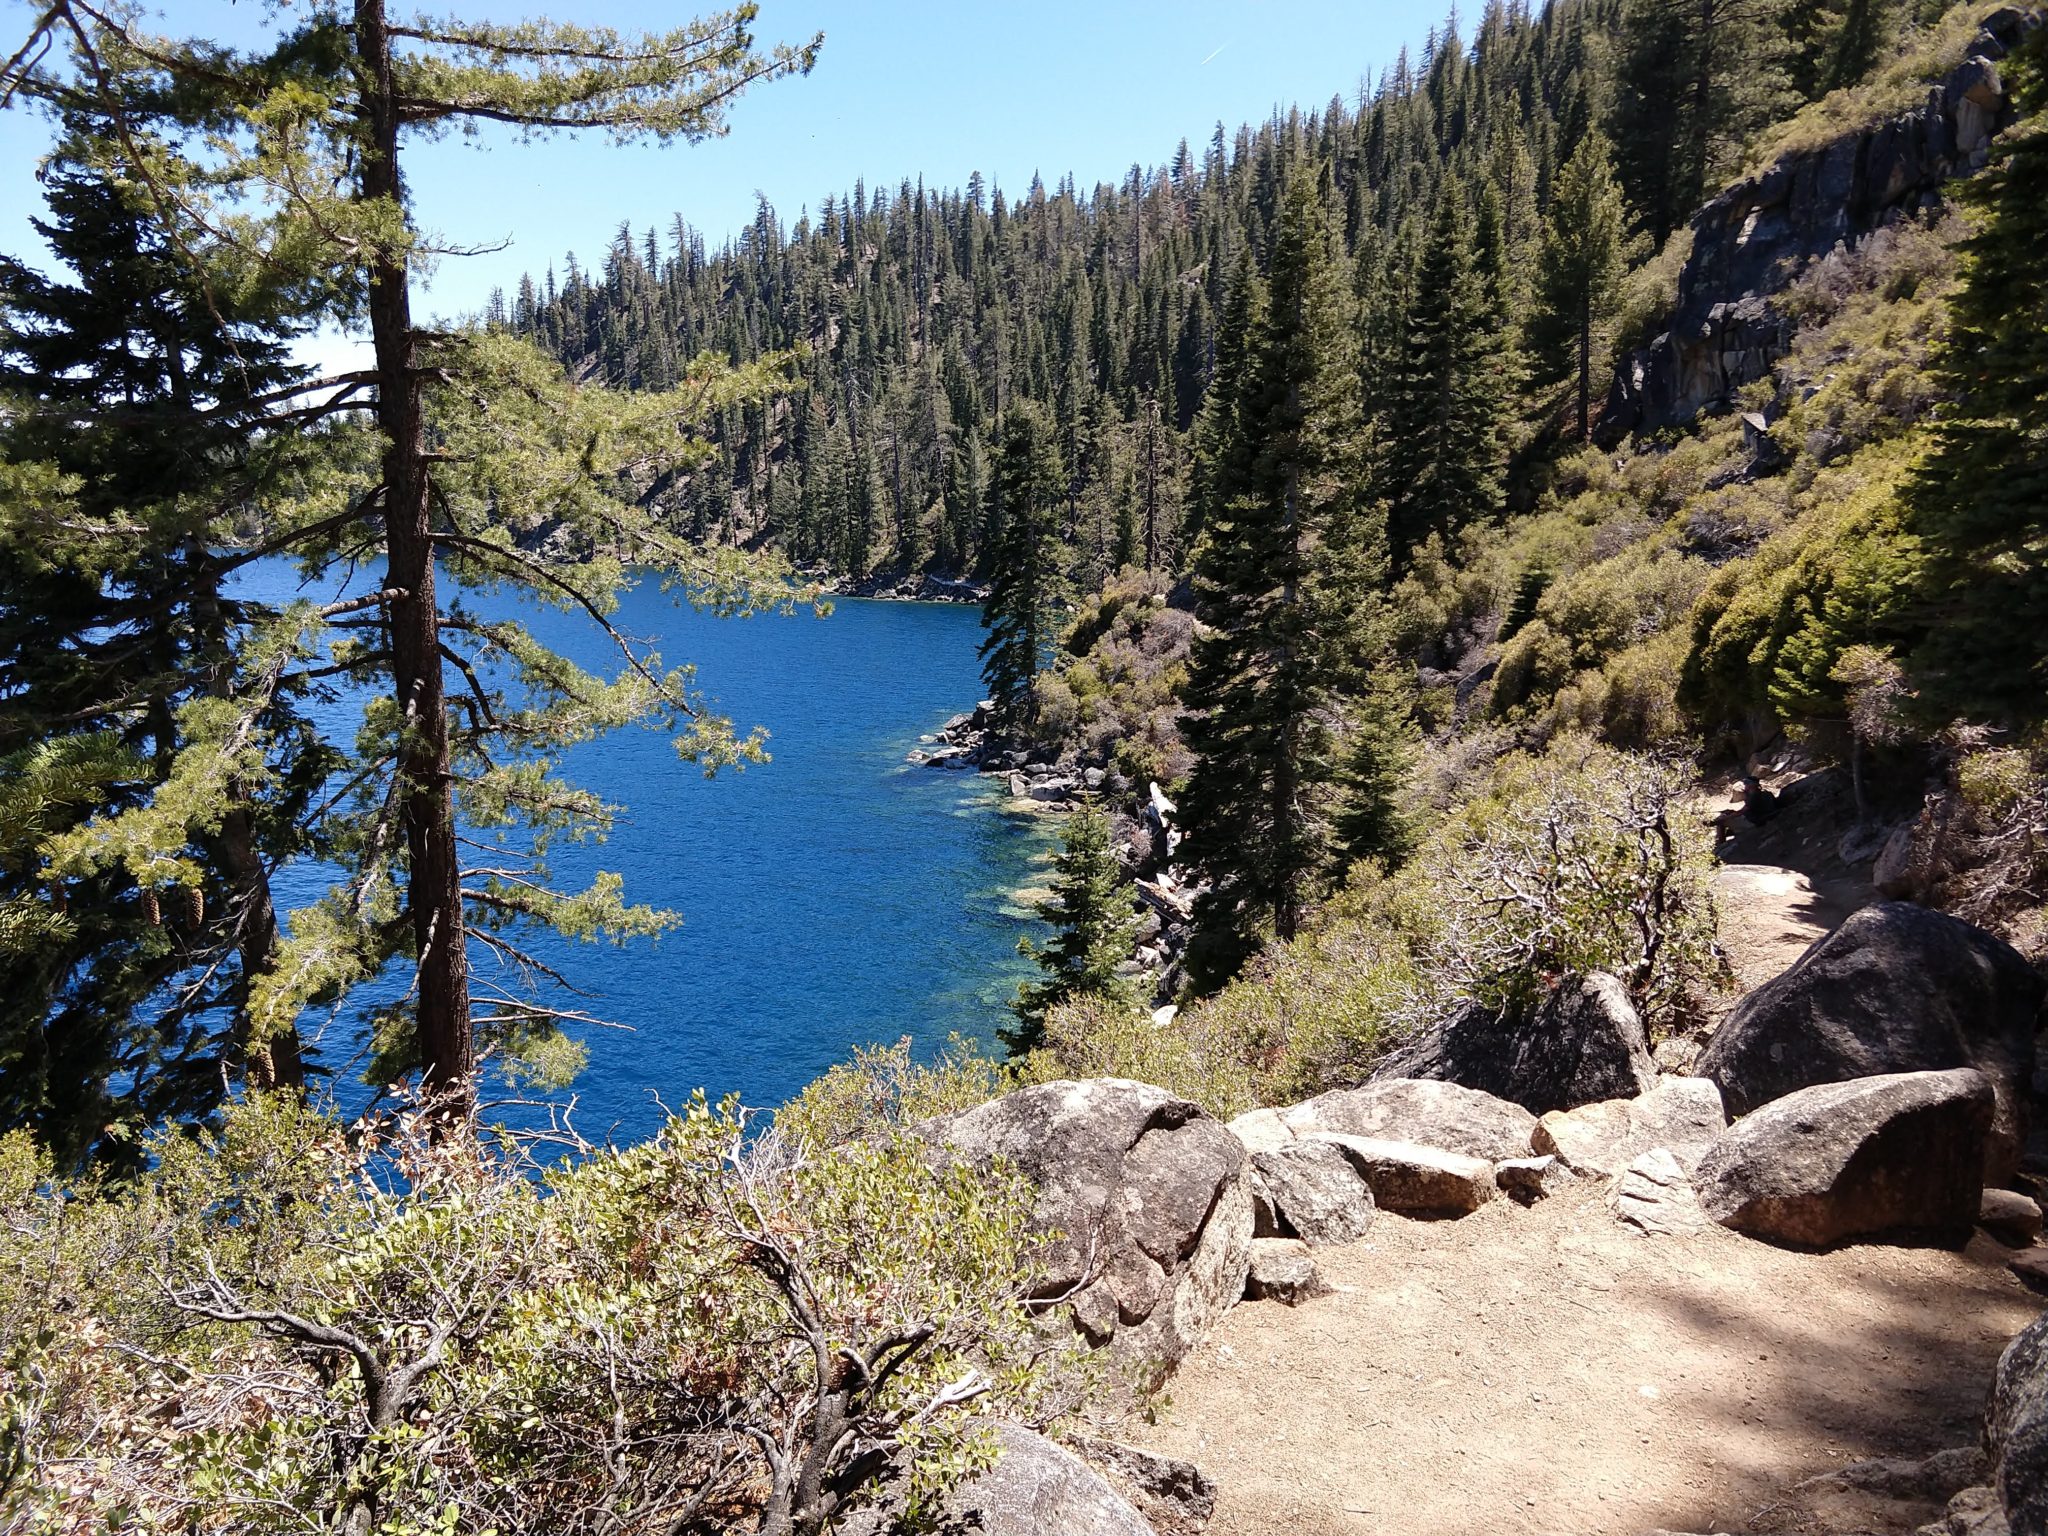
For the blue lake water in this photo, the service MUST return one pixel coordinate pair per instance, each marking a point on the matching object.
(831, 897)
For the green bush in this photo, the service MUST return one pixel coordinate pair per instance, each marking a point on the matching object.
(284, 1327)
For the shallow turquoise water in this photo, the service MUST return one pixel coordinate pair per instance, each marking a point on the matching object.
(834, 896)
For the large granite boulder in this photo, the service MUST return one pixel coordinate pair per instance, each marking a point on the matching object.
(1894, 1155)
(1419, 1181)
(2016, 1430)
(1680, 1114)
(1896, 988)
(1428, 1112)
(1144, 1200)
(1035, 1488)
(1582, 1043)
(1310, 1190)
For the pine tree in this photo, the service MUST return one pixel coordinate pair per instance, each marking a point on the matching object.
(1024, 601)
(130, 438)
(1579, 271)
(472, 435)
(1094, 925)
(1979, 505)
(1280, 585)
(1377, 822)
(1442, 460)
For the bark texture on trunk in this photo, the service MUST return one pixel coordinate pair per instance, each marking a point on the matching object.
(441, 998)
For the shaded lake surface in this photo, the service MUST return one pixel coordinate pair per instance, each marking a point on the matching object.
(831, 897)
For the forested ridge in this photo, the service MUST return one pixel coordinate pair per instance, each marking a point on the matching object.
(1395, 520)
(925, 313)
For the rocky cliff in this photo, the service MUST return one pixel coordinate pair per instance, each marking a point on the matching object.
(1754, 239)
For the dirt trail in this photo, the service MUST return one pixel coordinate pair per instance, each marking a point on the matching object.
(1768, 917)
(1546, 1370)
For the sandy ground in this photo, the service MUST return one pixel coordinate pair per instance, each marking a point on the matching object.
(1546, 1370)
(1768, 917)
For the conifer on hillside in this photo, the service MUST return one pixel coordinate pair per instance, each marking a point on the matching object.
(1094, 923)
(1584, 256)
(1979, 505)
(1441, 455)
(1285, 585)
(1024, 601)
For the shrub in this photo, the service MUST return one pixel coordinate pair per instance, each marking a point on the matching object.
(282, 1327)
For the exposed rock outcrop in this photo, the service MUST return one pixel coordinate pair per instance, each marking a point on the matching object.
(1431, 1113)
(1582, 1043)
(1896, 988)
(1420, 1181)
(1681, 1114)
(1148, 1197)
(1309, 1189)
(1035, 1488)
(1176, 1497)
(2016, 1431)
(1754, 239)
(1893, 1155)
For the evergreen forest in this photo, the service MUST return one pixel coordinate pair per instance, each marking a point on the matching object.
(1399, 526)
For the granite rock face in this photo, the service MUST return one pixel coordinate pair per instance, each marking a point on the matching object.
(1426, 1111)
(1879, 1156)
(1755, 239)
(1149, 1198)
(1896, 988)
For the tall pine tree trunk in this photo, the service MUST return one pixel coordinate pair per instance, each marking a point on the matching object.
(273, 1064)
(441, 995)
(1585, 365)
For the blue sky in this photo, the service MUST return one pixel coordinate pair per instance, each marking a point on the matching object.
(902, 88)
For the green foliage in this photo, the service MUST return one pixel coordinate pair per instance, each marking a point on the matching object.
(1576, 859)
(883, 1086)
(393, 1335)
(1022, 611)
(1440, 452)
(1579, 271)
(222, 200)
(1292, 552)
(1116, 696)
(1090, 910)
(1979, 504)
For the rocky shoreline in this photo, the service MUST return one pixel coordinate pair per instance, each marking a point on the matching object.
(1142, 830)
(902, 587)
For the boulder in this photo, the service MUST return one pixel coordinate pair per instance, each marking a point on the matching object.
(1655, 1197)
(1282, 1269)
(2011, 1217)
(1427, 1112)
(1682, 1114)
(1147, 1198)
(1529, 1179)
(1972, 1512)
(1035, 1488)
(1174, 1496)
(1582, 1043)
(2030, 1267)
(1898, 1154)
(1422, 1181)
(1896, 988)
(2016, 1430)
(1313, 1192)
